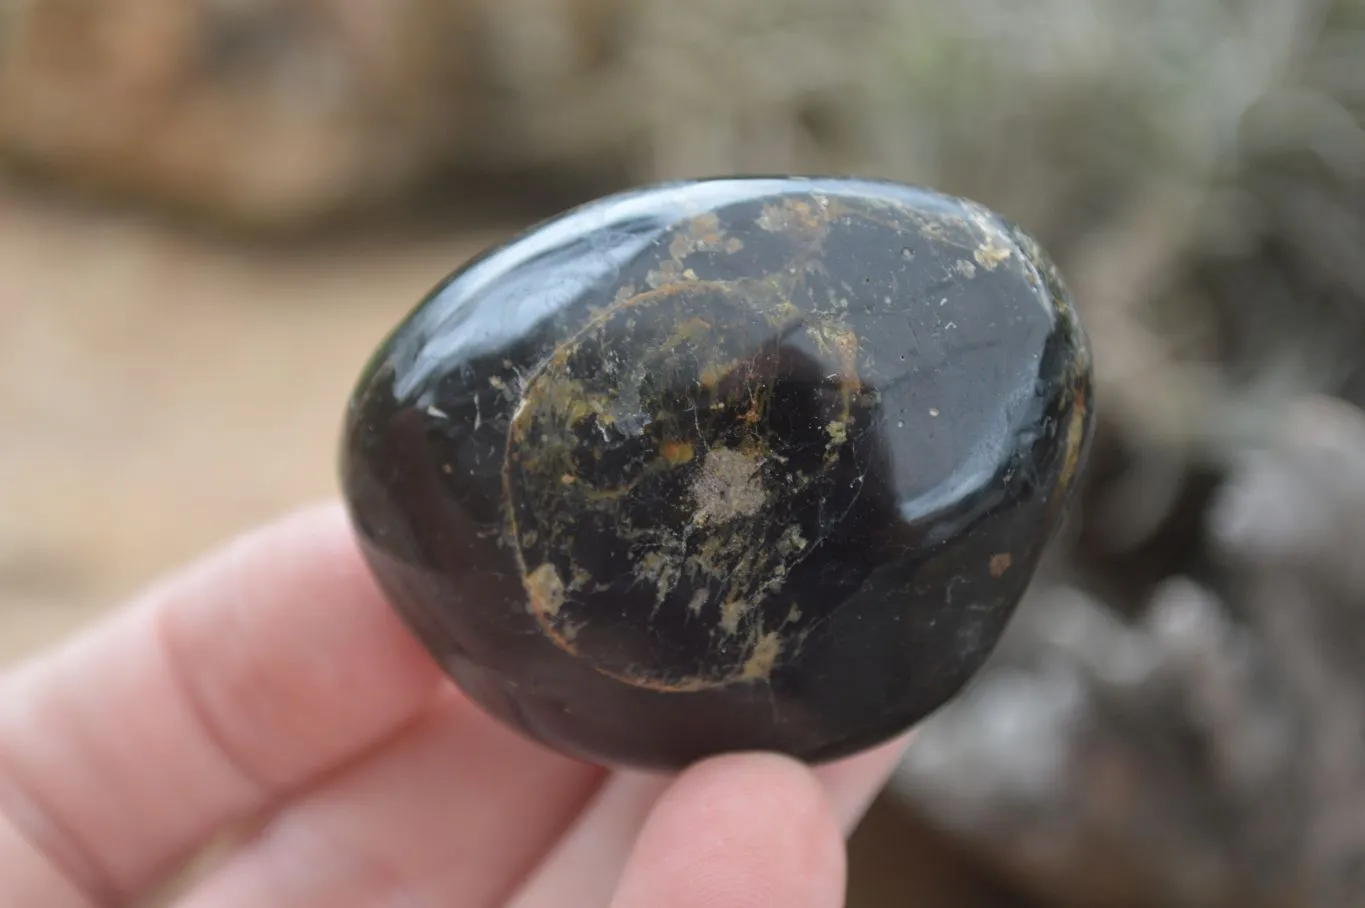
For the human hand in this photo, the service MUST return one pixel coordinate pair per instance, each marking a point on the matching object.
(270, 685)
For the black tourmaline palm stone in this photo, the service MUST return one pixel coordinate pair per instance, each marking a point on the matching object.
(723, 465)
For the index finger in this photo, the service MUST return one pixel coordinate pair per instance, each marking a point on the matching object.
(214, 695)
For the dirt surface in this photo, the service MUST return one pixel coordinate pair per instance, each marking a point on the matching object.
(160, 392)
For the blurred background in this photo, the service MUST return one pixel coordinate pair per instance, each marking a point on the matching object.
(212, 210)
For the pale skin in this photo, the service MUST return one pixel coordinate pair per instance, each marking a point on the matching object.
(269, 687)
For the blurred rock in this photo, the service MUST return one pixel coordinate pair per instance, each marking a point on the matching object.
(1213, 752)
(284, 111)
(263, 113)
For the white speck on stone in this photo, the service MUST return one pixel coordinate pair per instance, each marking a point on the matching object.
(728, 486)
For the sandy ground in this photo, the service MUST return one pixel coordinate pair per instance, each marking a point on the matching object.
(159, 392)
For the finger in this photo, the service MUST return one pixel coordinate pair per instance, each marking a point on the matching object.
(273, 661)
(853, 783)
(30, 879)
(584, 866)
(746, 831)
(453, 812)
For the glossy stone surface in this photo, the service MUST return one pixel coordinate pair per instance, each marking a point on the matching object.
(733, 464)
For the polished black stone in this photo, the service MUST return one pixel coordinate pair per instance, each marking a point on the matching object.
(723, 465)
